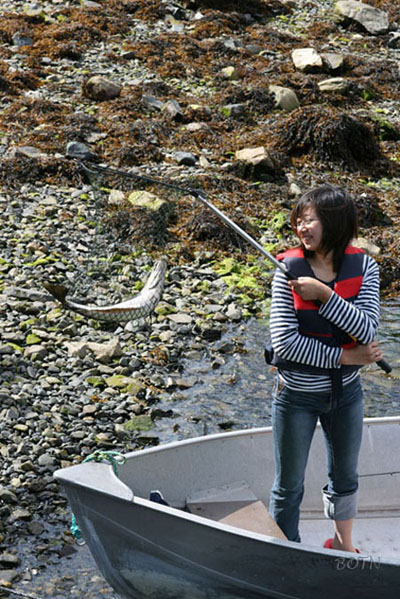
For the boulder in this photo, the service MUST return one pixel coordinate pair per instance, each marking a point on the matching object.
(101, 89)
(333, 60)
(335, 84)
(231, 73)
(145, 199)
(306, 59)
(367, 245)
(255, 157)
(285, 98)
(106, 352)
(373, 19)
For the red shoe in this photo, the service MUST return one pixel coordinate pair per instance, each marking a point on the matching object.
(328, 545)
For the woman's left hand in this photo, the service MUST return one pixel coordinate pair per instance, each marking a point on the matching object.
(311, 289)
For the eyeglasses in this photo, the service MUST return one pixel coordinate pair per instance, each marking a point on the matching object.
(305, 222)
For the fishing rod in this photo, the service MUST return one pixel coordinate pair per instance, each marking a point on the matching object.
(200, 195)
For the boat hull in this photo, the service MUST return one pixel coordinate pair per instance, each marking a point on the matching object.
(146, 550)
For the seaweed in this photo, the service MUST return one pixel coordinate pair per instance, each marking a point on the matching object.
(206, 226)
(349, 138)
(331, 136)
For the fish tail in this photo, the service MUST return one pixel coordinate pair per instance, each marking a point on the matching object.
(60, 292)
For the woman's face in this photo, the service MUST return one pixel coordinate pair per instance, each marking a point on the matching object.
(309, 229)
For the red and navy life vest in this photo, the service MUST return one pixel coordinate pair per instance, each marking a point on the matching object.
(347, 284)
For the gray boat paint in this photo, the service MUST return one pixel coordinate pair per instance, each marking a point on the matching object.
(140, 546)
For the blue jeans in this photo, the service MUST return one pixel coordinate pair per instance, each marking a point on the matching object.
(294, 418)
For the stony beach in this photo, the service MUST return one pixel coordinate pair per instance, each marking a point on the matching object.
(253, 105)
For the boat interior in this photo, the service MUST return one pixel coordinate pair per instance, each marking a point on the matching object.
(228, 477)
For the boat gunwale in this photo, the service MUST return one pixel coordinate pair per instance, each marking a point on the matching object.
(239, 433)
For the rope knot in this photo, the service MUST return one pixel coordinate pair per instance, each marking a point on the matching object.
(114, 458)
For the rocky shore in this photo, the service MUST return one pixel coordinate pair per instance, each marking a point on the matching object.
(252, 105)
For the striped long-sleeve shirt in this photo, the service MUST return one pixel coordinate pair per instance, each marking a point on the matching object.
(359, 319)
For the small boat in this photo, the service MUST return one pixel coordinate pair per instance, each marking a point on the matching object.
(216, 540)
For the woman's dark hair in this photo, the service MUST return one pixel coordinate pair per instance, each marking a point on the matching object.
(338, 215)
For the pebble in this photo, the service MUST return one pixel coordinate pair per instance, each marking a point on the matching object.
(185, 158)
(9, 560)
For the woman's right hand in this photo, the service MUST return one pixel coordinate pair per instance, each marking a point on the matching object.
(360, 355)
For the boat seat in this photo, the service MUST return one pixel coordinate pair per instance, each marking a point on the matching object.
(235, 505)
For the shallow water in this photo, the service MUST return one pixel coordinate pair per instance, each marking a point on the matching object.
(238, 393)
(234, 394)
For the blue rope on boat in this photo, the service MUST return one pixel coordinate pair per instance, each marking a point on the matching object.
(114, 458)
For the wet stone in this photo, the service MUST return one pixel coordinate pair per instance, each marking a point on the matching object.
(185, 158)
(8, 576)
(27, 466)
(7, 496)
(35, 528)
(20, 514)
(9, 560)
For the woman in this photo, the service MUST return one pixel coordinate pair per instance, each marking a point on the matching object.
(315, 322)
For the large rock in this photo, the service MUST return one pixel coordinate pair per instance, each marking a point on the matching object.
(106, 352)
(35, 352)
(333, 60)
(78, 349)
(285, 97)
(367, 245)
(145, 199)
(173, 109)
(307, 59)
(100, 89)
(77, 149)
(9, 560)
(231, 73)
(233, 110)
(255, 157)
(152, 103)
(394, 41)
(335, 84)
(185, 158)
(254, 163)
(373, 19)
